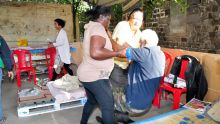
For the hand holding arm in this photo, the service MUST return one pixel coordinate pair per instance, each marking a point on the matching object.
(122, 53)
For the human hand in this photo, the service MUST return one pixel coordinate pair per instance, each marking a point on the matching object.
(122, 53)
(50, 45)
(11, 75)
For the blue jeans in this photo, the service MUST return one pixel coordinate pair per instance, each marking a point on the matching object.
(1, 111)
(99, 93)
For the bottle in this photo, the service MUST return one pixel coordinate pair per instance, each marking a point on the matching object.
(174, 81)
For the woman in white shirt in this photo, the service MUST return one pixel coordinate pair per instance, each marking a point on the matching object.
(62, 49)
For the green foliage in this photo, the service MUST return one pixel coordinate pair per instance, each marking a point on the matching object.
(83, 19)
(117, 12)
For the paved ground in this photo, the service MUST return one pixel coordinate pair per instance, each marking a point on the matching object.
(70, 116)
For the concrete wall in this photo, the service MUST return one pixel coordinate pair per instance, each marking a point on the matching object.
(196, 30)
(33, 21)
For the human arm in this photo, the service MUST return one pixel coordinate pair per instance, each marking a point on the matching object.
(6, 57)
(98, 50)
(59, 42)
(134, 54)
(61, 38)
(118, 47)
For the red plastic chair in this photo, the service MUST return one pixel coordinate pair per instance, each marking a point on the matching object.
(169, 60)
(23, 64)
(50, 54)
(177, 92)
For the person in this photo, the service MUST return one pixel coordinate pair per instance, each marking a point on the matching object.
(126, 34)
(146, 71)
(97, 64)
(144, 76)
(5, 61)
(62, 49)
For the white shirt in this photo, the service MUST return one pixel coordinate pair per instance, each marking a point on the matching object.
(123, 33)
(62, 46)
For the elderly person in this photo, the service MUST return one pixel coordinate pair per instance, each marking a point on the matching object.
(146, 71)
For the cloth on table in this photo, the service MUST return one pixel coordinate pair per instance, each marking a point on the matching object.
(67, 82)
(62, 96)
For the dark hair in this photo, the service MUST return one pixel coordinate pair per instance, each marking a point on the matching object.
(97, 11)
(60, 22)
(133, 11)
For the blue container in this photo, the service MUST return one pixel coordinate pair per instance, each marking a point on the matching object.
(35, 51)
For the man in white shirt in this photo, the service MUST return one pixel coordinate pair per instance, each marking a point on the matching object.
(62, 49)
(126, 34)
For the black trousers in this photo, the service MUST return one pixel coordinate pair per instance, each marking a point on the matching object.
(119, 76)
(67, 68)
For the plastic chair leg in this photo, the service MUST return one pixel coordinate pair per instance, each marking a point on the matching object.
(50, 73)
(34, 76)
(165, 95)
(176, 100)
(156, 100)
(18, 76)
(29, 75)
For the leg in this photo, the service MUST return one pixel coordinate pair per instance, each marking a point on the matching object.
(119, 76)
(106, 103)
(54, 75)
(90, 105)
(67, 67)
(119, 81)
(50, 73)
(103, 95)
(1, 111)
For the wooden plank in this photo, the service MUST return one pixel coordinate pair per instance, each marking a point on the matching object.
(129, 5)
(111, 2)
(47, 107)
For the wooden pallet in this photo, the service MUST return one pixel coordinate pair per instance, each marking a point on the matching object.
(47, 107)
